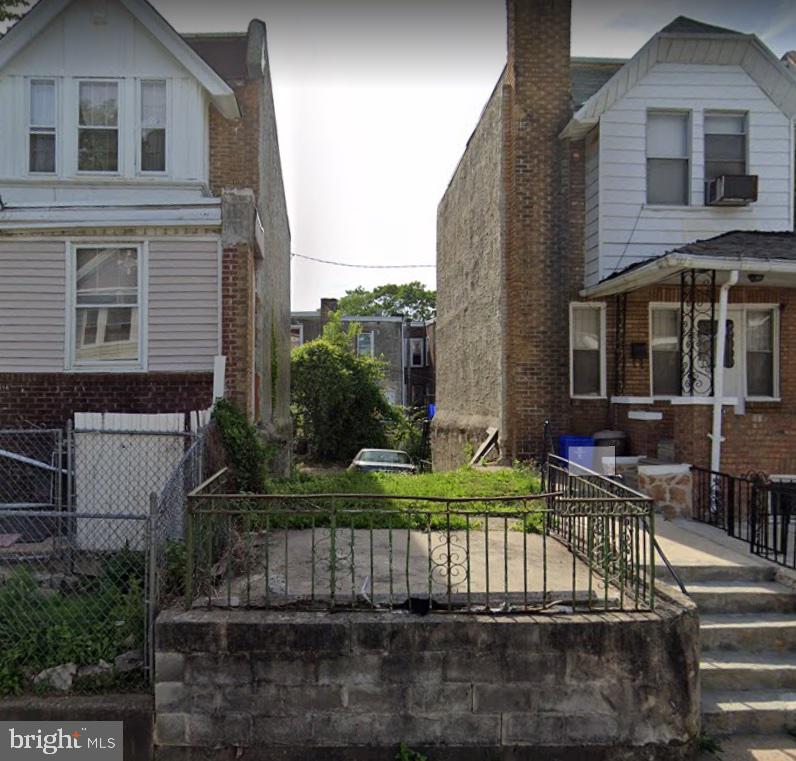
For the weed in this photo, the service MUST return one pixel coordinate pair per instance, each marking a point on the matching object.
(405, 753)
(709, 744)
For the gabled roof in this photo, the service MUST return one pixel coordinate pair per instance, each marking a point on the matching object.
(45, 11)
(225, 53)
(589, 74)
(688, 41)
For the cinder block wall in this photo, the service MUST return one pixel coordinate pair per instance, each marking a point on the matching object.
(281, 685)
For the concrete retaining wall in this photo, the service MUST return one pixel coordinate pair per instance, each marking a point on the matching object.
(270, 685)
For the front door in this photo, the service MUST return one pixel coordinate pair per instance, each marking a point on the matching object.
(732, 350)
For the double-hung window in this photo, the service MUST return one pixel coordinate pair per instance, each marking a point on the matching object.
(107, 305)
(725, 144)
(365, 344)
(665, 351)
(153, 126)
(760, 337)
(41, 150)
(668, 158)
(98, 127)
(587, 350)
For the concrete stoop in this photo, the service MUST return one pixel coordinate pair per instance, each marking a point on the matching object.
(748, 638)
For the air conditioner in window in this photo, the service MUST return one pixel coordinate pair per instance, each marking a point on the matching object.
(731, 190)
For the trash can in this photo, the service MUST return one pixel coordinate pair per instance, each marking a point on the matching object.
(615, 439)
(577, 449)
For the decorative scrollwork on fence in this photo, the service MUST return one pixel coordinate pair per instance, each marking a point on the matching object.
(449, 562)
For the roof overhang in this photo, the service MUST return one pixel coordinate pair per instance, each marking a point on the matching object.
(45, 11)
(775, 78)
(663, 269)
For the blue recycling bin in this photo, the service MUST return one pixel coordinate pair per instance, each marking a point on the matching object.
(577, 449)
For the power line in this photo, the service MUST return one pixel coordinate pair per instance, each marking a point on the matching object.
(364, 266)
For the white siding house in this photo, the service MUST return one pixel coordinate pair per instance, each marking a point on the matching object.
(685, 75)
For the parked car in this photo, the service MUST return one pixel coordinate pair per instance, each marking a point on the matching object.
(386, 460)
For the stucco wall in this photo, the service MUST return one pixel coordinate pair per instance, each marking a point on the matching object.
(469, 333)
(297, 685)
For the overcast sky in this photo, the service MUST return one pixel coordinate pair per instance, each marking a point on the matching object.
(376, 99)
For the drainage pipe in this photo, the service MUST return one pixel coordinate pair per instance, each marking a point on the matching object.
(718, 371)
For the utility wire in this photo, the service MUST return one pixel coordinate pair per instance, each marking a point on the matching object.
(364, 266)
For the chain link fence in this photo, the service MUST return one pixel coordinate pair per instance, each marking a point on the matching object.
(91, 546)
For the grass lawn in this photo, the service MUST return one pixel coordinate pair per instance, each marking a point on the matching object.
(465, 482)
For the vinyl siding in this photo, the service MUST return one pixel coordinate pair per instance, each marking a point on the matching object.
(629, 230)
(183, 305)
(32, 293)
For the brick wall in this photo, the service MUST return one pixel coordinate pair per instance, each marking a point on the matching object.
(763, 439)
(292, 685)
(50, 399)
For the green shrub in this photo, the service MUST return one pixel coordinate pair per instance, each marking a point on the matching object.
(338, 405)
(247, 452)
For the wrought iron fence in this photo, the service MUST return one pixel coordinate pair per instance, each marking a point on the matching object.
(579, 546)
(74, 601)
(755, 509)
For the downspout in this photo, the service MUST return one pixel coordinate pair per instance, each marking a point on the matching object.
(404, 350)
(718, 371)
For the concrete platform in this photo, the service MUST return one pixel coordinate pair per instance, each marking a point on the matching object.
(755, 748)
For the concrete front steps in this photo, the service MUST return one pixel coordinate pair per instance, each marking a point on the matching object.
(748, 637)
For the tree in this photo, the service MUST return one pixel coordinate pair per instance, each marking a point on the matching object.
(411, 299)
(338, 404)
(11, 10)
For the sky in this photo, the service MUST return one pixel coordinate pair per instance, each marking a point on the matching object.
(375, 101)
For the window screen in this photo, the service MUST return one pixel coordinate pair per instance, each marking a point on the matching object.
(42, 126)
(586, 351)
(760, 353)
(665, 350)
(725, 145)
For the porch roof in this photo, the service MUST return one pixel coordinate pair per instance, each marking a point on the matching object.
(770, 254)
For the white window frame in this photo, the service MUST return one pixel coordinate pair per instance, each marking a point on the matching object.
(422, 362)
(740, 347)
(300, 326)
(139, 128)
(372, 343)
(601, 306)
(70, 361)
(31, 128)
(717, 112)
(688, 158)
(120, 132)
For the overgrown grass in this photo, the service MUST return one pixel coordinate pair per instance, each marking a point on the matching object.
(415, 511)
(96, 620)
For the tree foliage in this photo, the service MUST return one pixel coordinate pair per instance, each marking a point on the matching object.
(338, 404)
(11, 11)
(411, 299)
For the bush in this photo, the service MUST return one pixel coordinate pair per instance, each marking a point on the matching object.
(247, 452)
(338, 405)
(409, 433)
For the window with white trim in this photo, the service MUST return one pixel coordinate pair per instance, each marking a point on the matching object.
(725, 144)
(365, 344)
(760, 379)
(98, 126)
(417, 352)
(153, 126)
(296, 335)
(668, 152)
(665, 351)
(587, 350)
(106, 305)
(41, 140)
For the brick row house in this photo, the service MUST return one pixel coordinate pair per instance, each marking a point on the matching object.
(616, 251)
(405, 346)
(143, 226)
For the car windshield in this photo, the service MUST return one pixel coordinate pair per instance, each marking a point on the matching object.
(393, 458)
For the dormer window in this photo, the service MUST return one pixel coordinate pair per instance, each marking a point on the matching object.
(153, 126)
(725, 145)
(667, 158)
(98, 127)
(41, 146)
